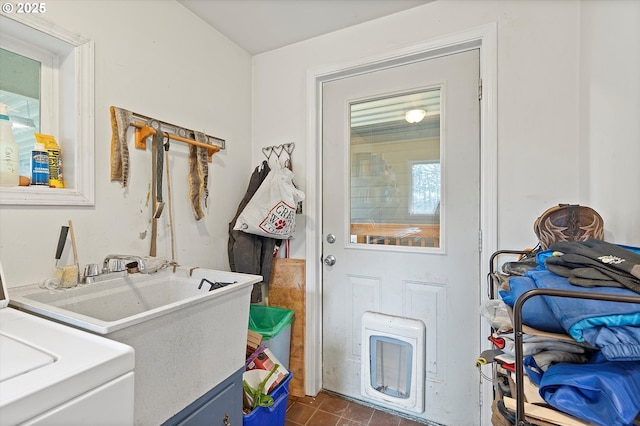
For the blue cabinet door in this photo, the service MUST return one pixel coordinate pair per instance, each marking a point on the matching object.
(221, 406)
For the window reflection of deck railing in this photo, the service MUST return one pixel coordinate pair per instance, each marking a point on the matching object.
(411, 235)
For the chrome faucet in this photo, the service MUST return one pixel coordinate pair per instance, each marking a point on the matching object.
(123, 257)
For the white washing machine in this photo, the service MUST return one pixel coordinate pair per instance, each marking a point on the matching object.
(52, 374)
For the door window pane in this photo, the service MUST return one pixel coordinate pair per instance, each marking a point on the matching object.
(395, 170)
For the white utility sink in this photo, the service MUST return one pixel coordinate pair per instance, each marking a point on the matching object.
(187, 339)
(111, 305)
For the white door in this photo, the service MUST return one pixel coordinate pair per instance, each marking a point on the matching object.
(401, 222)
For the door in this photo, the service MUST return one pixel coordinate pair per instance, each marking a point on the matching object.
(401, 222)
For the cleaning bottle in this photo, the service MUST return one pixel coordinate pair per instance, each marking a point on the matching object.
(9, 160)
(39, 165)
(55, 159)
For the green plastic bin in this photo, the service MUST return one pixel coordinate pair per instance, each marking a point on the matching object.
(274, 324)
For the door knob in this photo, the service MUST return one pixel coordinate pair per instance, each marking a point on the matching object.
(330, 260)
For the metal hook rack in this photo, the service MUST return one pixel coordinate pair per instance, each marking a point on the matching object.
(268, 151)
(277, 150)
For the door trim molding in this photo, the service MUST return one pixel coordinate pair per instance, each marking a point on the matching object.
(483, 37)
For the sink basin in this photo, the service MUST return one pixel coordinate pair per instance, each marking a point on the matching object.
(111, 305)
(187, 340)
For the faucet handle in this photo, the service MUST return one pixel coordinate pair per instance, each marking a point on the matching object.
(91, 270)
(118, 265)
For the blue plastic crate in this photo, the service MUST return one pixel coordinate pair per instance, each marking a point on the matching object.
(274, 415)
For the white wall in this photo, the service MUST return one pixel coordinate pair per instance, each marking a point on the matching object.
(610, 115)
(157, 59)
(568, 102)
(540, 107)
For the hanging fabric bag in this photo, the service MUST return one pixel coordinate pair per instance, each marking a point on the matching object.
(271, 212)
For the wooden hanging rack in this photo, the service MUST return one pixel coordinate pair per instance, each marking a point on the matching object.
(147, 126)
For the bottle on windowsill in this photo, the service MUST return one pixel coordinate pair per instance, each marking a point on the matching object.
(55, 159)
(9, 160)
(39, 166)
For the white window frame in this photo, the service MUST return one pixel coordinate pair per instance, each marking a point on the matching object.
(69, 115)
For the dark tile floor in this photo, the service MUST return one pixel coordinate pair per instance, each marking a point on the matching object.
(330, 410)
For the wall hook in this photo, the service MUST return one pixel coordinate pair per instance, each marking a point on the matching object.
(267, 151)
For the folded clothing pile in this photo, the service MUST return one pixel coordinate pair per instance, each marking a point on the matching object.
(602, 392)
(613, 327)
(595, 263)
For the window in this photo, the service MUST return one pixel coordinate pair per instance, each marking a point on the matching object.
(46, 76)
(20, 91)
(425, 188)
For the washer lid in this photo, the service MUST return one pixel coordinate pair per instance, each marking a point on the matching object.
(82, 362)
(4, 297)
(22, 357)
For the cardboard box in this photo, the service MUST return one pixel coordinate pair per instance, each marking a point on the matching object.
(254, 340)
(264, 359)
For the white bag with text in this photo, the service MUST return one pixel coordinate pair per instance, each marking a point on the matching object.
(271, 212)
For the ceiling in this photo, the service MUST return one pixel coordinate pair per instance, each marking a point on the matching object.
(262, 25)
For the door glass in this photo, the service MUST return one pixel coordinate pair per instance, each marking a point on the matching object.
(395, 170)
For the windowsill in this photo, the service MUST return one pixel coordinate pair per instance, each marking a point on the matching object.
(33, 195)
